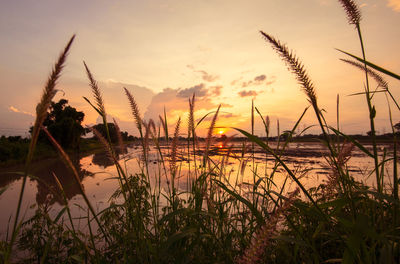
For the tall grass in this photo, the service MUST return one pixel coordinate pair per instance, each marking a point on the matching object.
(221, 217)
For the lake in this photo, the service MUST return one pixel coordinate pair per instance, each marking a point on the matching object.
(97, 174)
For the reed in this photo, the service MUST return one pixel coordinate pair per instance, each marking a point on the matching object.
(224, 216)
(41, 113)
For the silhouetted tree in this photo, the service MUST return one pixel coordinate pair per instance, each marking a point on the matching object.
(64, 124)
(113, 132)
(111, 129)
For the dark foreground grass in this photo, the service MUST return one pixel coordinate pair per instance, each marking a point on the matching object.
(220, 220)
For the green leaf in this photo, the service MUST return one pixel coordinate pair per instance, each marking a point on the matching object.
(268, 149)
(355, 142)
(370, 64)
(95, 108)
(201, 119)
(256, 213)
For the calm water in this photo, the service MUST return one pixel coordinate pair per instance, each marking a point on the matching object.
(97, 172)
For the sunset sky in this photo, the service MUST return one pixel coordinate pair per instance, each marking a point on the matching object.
(165, 50)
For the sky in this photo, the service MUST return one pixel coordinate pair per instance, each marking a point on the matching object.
(163, 51)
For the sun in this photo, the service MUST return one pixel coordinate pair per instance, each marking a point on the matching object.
(220, 131)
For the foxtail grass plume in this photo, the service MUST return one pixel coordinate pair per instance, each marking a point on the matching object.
(49, 91)
(96, 91)
(211, 128)
(104, 142)
(152, 128)
(146, 138)
(295, 67)
(119, 136)
(134, 109)
(352, 11)
(41, 113)
(209, 134)
(332, 184)
(253, 254)
(163, 126)
(377, 77)
(174, 150)
(191, 116)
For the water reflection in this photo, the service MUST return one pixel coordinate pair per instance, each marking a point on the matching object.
(42, 173)
(100, 167)
(103, 159)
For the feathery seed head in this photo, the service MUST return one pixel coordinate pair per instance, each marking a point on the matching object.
(95, 90)
(49, 90)
(134, 109)
(119, 136)
(254, 253)
(352, 11)
(47, 95)
(191, 116)
(175, 147)
(104, 142)
(378, 78)
(295, 67)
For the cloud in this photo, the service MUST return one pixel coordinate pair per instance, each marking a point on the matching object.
(228, 115)
(14, 122)
(208, 77)
(116, 101)
(16, 110)
(394, 5)
(117, 104)
(260, 78)
(236, 81)
(245, 84)
(204, 75)
(247, 93)
(256, 81)
(216, 90)
(222, 117)
(226, 105)
(175, 102)
(199, 90)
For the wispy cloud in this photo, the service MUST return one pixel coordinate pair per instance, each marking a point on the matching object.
(16, 110)
(176, 100)
(204, 75)
(394, 5)
(199, 90)
(216, 90)
(245, 93)
(260, 78)
(256, 81)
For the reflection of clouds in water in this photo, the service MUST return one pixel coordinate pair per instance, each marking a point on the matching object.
(102, 183)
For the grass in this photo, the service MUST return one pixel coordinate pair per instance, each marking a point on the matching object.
(215, 219)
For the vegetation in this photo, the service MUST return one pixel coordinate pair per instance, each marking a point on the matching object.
(113, 131)
(64, 123)
(216, 219)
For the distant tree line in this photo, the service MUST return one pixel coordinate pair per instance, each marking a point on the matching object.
(113, 133)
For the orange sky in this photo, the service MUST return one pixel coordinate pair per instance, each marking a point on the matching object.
(163, 51)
